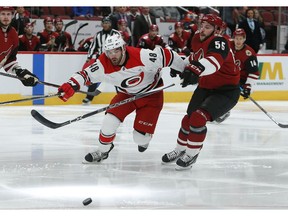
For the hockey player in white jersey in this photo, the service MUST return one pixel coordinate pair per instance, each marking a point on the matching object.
(132, 71)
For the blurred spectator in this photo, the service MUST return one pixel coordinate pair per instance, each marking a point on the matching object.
(84, 44)
(34, 11)
(253, 33)
(259, 18)
(64, 40)
(158, 12)
(142, 24)
(227, 14)
(28, 41)
(121, 13)
(133, 13)
(83, 11)
(151, 39)
(239, 15)
(178, 39)
(172, 13)
(102, 11)
(48, 36)
(124, 31)
(20, 19)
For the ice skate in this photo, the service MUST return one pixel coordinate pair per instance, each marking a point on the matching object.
(222, 118)
(186, 162)
(97, 156)
(86, 101)
(172, 156)
(142, 148)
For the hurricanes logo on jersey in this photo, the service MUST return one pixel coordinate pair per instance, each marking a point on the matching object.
(132, 81)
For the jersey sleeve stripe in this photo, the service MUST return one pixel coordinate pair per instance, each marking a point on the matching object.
(172, 58)
(163, 58)
(214, 61)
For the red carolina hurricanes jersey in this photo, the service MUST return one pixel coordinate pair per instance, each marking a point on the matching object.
(246, 60)
(215, 55)
(31, 44)
(8, 48)
(178, 43)
(140, 72)
(147, 43)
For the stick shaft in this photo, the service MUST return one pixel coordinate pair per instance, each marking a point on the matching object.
(41, 119)
(44, 83)
(29, 99)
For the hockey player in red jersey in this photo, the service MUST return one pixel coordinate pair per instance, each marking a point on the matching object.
(64, 40)
(212, 66)
(48, 36)
(132, 71)
(151, 39)
(9, 48)
(28, 41)
(246, 60)
(178, 39)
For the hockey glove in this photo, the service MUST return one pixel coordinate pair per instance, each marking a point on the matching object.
(191, 73)
(174, 73)
(245, 91)
(68, 89)
(28, 79)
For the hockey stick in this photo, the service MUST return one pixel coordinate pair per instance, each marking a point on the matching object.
(80, 27)
(28, 99)
(66, 26)
(261, 108)
(44, 83)
(69, 24)
(54, 125)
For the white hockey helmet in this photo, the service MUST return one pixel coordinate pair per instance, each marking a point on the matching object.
(113, 42)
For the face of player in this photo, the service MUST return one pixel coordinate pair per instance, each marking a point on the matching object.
(5, 18)
(206, 30)
(122, 27)
(239, 41)
(116, 56)
(29, 30)
(179, 30)
(153, 34)
(49, 26)
(59, 26)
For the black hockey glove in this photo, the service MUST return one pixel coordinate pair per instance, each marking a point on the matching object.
(174, 73)
(191, 73)
(245, 91)
(29, 79)
(186, 51)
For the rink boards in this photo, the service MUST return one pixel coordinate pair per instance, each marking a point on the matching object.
(57, 68)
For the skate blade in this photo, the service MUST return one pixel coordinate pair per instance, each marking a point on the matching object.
(179, 168)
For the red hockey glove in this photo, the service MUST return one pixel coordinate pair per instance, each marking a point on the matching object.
(191, 73)
(245, 91)
(29, 79)
(68, 89)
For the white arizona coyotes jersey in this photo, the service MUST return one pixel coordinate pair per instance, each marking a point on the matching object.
(140, 72)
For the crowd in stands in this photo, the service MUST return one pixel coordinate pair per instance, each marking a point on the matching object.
(133, 22)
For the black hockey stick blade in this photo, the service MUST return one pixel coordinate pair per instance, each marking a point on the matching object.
(271, 117)
(69, 24)
(41, 119)
(79, 28)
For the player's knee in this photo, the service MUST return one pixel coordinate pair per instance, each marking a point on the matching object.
(199, 118)
(141, 138)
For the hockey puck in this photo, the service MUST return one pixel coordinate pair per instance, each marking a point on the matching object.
(87, 201)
